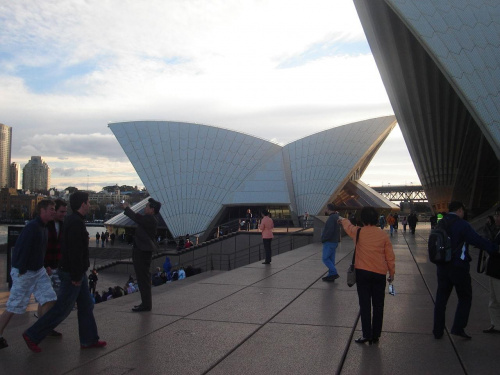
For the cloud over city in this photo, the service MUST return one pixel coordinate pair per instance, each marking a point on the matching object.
(275, 69)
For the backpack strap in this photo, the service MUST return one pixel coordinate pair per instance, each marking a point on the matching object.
(447, 227)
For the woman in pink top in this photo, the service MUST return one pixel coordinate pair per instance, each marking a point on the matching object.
(373, 260)
(267, 226)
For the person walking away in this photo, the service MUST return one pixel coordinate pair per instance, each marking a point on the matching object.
(143, 247)
(381, 222)
(266, 226)
(391, 221)
(412, 222)
(405, 223)
(28, 273)
(455, 274)
(373, 260)
(494, 303)
(74, 287)
(330, 237)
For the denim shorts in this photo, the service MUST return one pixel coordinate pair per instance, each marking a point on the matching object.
(32, 282)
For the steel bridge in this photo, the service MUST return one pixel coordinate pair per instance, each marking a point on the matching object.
(402, 193)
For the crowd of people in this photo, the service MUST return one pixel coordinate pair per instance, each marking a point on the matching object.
(105, 238)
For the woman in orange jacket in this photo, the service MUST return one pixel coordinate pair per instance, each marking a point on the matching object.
(374, 259)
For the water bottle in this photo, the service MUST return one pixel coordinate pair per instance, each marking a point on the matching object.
(392, 292)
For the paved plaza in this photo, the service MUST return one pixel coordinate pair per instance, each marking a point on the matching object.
(277, 319)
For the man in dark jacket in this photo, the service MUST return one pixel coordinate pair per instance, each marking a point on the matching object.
(330, 238)
(143, 247)
(74, 286)
(53, 254)
(28, 274)
(455, 274)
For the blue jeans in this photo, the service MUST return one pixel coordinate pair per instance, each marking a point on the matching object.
(68, 295)
(329, 250)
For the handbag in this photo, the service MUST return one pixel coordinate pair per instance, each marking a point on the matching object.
(492, 268)
(351, 271)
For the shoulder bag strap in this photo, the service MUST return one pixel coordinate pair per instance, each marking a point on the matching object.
(357, 239)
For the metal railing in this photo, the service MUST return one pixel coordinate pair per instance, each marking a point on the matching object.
(225, 253)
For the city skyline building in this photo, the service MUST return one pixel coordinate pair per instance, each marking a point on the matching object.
(5, 154)
(36, 175)
(15, 175)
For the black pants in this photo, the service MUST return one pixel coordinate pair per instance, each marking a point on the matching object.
(267, 248)
(371, 292)
(450, 276)
(142, 267)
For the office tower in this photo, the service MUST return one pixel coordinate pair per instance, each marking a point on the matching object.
(15, 175)
(5, 150)
(36, 175)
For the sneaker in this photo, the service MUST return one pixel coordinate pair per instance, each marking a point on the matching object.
(55, 334)
(330, 278)
(31, 345)
(3, 343)
(98, 344)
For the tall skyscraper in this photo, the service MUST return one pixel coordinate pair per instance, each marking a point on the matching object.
(36, 175)
(5, 150)
(15, 175)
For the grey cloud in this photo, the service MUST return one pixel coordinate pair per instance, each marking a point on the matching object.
(66, 172)
(65, 146)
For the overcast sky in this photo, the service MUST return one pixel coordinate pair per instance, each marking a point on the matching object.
(280, 70)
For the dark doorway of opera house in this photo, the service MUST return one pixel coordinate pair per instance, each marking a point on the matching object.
(232, 217)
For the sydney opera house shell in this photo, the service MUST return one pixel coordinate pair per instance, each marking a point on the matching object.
(201, 172)
(440, 63)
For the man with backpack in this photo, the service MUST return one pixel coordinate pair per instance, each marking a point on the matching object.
(455, 272)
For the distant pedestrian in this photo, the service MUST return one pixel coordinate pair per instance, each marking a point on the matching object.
(391, 221)
(266, 226)
(330, 238)
(405, 223)
(381, 222)
(248, 220)
(93, 281)
(97, 237)
(412, 222)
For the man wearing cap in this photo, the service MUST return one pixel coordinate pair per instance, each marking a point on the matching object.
(143, 246)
